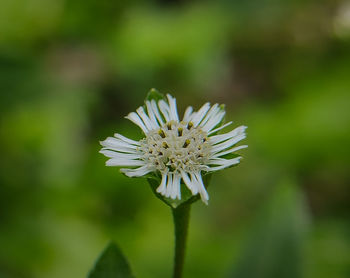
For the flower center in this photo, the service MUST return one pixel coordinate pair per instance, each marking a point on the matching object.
(175, 147)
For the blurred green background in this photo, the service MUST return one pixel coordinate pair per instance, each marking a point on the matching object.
(71, 70)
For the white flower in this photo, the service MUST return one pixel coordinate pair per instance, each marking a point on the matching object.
(178, 150)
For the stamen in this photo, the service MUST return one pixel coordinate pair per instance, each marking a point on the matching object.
(187, 142)
(165, 145)
(176, 147)
(161, 133)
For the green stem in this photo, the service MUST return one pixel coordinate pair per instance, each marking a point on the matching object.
(181, 216)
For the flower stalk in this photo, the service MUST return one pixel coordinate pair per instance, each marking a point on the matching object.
(181, 217)
(177, 156)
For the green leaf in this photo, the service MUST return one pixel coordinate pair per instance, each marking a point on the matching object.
(186, 194)
(275, 247)
(111, 264)
(154, 94)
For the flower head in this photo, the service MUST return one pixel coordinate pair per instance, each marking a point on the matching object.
(181, 151)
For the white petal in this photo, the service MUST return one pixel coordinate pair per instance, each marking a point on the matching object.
(198, 117)
(197, 177)
(114, 154)
(162, 186)
(138, 172)
(219, 128)
(173, 110)
(212, 112)
(117, 144)
(176, 190)
(164, 108)
(146, 120)
(223, 137)
(187, 114)
(169, 186)
(156, 112)
(136, 120)
(126, 140)
(224, 163)
(121, 150)
(227, 144)
(124, 162)
(151, 114)
(214, 121)
(220, 138)
(191, 186)
(229, 151)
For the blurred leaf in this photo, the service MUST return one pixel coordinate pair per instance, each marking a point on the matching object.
(147, 43)
(275, 247)
(111, 264)
(30, 20)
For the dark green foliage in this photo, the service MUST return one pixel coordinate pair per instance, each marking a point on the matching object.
(111, 264)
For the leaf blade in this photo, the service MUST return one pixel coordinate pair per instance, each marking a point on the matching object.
(111, 264)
